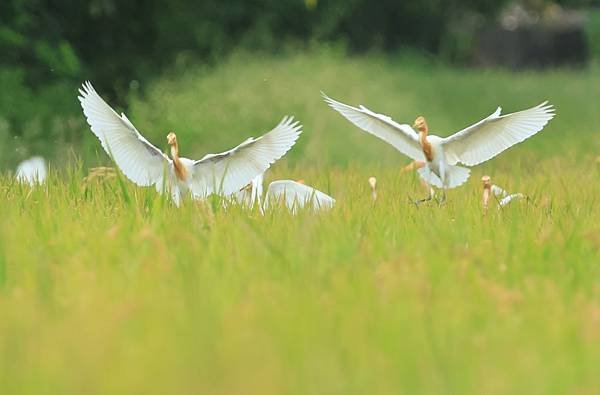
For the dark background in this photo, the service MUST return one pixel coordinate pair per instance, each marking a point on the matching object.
(48, 47)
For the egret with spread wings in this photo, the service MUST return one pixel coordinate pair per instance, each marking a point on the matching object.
(471, 146)
(146, 165)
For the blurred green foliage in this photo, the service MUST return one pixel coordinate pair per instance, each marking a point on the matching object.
(593, 33)
(116, 41)
(49, 47)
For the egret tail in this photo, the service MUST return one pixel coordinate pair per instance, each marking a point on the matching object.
(455, 176)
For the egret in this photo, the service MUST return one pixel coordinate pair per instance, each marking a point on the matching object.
(487, 187)
(32, 171)
(294, 194)
(502, 196)
(471, 146)
(145, 165)
(373, 185)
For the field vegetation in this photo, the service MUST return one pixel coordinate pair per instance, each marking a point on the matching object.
(108, 288)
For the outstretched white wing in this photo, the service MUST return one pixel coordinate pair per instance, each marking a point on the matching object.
(402, 137)
(297, 195)
(230, 171)
(494, 134)
(140, 161)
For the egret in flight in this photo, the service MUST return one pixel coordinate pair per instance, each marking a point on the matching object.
(145, 165)
(471, 146)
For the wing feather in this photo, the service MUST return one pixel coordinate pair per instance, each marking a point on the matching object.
(494, 134)
(402, 137)
(230, 171)
(140, 161)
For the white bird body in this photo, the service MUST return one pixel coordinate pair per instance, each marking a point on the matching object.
(437, 162)
(509, 198)
(145, 165)
(293, 194)
(32, 171)
(297, 196)
(504, 197)
(470, 146)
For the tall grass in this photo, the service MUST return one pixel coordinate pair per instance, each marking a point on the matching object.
(108, 288)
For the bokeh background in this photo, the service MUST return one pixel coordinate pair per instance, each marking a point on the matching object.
(218, 71)
(107, 288)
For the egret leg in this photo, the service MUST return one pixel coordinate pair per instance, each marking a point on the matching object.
(421, 201)
(442, 198)
(429, 197)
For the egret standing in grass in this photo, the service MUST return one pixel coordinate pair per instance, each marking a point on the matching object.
(32, 171)
(470, 146)
(294, 194)
(502, 196)
(373, 185)
(145, 165)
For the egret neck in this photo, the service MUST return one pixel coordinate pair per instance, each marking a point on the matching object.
(421, 126)
(487, 186)
(180, 170)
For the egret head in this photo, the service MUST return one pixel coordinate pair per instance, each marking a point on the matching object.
(171, 138)
(373, 182)
(486, 181)
(421, 124)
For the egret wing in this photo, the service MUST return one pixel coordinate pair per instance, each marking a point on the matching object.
(402, 137)
(494, 134)
(140, 161)
(230, 171)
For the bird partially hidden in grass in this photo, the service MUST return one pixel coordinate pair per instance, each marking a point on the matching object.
(293, 194)
(373, 185)
(145, 165)
(502, 196)
(471, 146)
(32, 171)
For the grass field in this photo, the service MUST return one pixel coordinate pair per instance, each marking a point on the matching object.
(108, 288)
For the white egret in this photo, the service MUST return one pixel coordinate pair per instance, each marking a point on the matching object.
(502, 196)
(32, 171)
(146, 165)
(294, 194)
(373, 185)
(297, 196)
(487, 184)
(471, 146)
